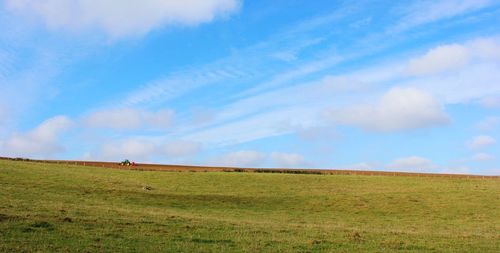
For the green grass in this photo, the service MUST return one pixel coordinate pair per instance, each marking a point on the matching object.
(59, 208)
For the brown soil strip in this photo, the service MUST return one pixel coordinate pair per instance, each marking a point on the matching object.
(184, 168)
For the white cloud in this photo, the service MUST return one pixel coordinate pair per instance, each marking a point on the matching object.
(484, 48)
(158, 119)
(128, 118)
(42, 141)
(481, 141)
(466, 85)
(491, 101)
(203, 116)
(344, 84)
(440, 59)
(361, 166)
(456, 170)
(119, 19)
(255, 117)
(483, 157)
(288, 160)
(454, 56)
(317, 133)
(421, 164)
(300, 103)
(398, 109)
(491, 171)
(144, 149)
(134, 149)
(413, 163)
(180, 148)
(118, 119)
(474, 81)
(488, 123)
(244, 158)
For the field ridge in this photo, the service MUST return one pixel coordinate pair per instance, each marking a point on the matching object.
(199, 168)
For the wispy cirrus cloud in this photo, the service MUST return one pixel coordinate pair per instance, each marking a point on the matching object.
(233, 70)
(271, 88)
(423, 12)
(250, 65)
(418, 103)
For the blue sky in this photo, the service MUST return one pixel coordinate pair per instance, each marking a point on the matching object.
(373, 85)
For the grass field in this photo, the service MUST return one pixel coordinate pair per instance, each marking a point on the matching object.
(59, 208)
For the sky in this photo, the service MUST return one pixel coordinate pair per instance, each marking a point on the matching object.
(368, 85)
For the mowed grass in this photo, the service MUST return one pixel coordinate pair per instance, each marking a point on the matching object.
(59, 208)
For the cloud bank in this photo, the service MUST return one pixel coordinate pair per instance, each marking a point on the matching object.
(412, 163)
(442, 58)
(41, 141)
(288, 160)
(128, 118)
(143, 149)
(242, 158)
(454, 56)
(122, 19)
(398, 109)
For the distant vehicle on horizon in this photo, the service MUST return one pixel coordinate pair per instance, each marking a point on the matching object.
(127, 162)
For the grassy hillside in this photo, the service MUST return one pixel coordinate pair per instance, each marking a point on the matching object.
(49, 207)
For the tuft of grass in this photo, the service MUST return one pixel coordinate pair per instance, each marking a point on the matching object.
(54, 208)
(42, 224)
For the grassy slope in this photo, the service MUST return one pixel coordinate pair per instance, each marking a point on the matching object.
(252, 212)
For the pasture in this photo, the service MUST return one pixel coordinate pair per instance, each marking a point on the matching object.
(69, 208)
